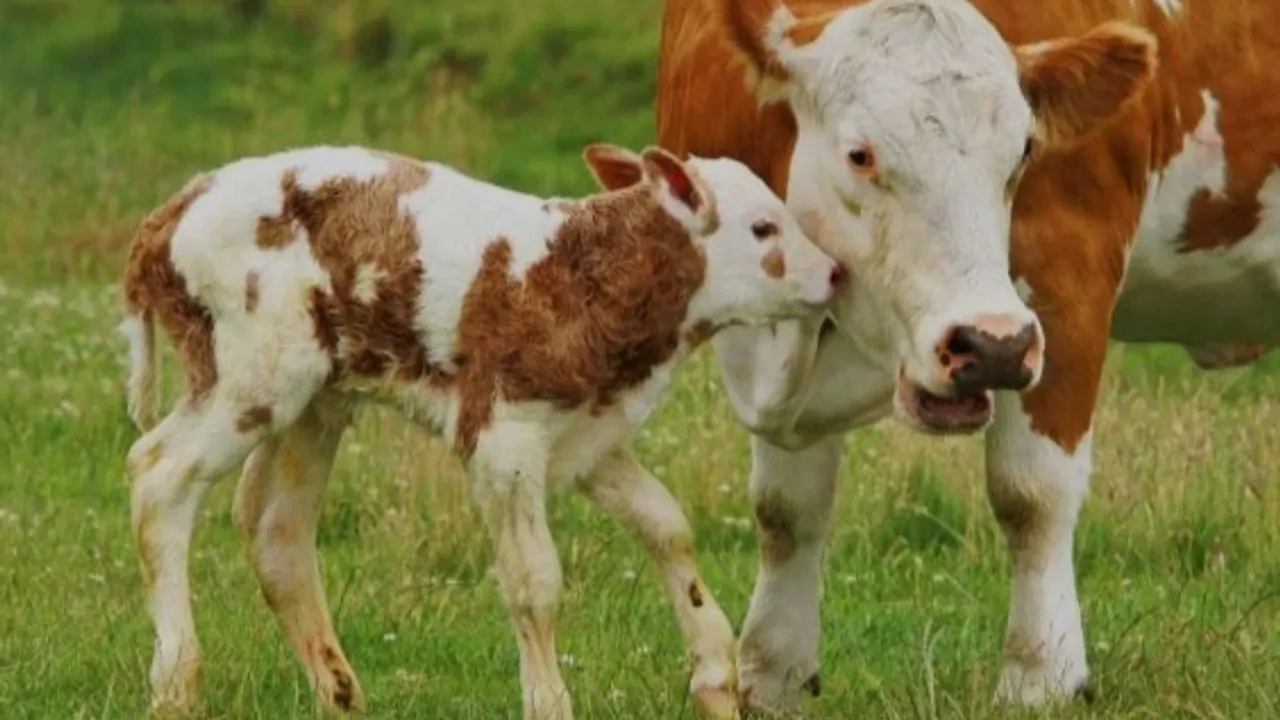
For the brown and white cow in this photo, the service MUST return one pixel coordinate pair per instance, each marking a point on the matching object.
(1010, 183)
(535, 336)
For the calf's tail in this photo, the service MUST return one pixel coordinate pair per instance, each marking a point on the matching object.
(139, 329)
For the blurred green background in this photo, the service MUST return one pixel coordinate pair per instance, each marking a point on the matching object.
(108, 106)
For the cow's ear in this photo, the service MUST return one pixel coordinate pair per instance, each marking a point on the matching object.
(771, 40)
(1076, 85)
(614, 167)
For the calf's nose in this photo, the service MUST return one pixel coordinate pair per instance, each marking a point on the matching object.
(838, 274)
(993, 352)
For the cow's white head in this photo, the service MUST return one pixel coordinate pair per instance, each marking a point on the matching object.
(915, 122)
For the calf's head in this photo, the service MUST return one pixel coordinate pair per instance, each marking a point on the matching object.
(915, 122)
(760, 265)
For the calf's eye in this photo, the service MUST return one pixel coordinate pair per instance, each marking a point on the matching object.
(764, 229)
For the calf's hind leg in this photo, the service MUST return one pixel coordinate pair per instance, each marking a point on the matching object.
(508, 476)
(173, 467)
(622, 487)
(277, 507)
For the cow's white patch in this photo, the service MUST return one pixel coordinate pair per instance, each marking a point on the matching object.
(1200, 297)
(1023, 289)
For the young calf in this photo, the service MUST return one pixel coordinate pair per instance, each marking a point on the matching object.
(534, 335)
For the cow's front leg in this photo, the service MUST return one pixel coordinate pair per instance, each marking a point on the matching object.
(792, 494)
(1038, 464)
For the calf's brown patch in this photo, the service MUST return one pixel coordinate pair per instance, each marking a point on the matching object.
(695, 594)
(774, 264)
(251, 291)
(253, 418)
(591, 318)
(153, 288)
(351, 223)
(344, 688)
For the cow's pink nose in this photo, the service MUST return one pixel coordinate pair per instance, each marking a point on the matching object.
(992, 352)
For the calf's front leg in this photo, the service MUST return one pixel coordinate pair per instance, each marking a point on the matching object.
(508, 476)
(623, 488)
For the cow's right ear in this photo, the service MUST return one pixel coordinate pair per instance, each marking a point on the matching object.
(771, 40)
(614, 167)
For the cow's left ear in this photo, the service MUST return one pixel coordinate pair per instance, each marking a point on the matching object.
(771, 39)
(1076, 85)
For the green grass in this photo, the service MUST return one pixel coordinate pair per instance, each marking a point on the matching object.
(109, 106)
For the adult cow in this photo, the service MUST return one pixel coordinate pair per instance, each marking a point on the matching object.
(1105, 163)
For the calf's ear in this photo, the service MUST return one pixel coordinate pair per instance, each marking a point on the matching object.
(614, 167)
(1076, 85)
(680, 190)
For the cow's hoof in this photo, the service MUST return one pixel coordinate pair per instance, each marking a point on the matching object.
(1086, 693)
(1038, 687)
(758, 705)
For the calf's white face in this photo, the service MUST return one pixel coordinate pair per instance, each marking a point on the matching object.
(915, 123)
(760, 265)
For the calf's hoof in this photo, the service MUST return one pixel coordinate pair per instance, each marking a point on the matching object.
(549, 704)
(339, 694)
(175, 694)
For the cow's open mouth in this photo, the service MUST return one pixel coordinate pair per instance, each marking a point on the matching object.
(944, 415)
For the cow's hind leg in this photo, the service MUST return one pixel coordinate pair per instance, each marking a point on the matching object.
(172, 467)
(277, 507)
(792, 493)
(622, 487)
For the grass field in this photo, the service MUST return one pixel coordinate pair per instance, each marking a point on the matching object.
(106, 106)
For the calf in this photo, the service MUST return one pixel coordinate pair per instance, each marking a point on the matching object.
(534, 335)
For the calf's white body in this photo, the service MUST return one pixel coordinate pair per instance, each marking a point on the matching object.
(535, 335)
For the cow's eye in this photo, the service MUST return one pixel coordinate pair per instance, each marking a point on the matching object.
(862, 159)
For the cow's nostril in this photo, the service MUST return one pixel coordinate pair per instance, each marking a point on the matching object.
(961, 342)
